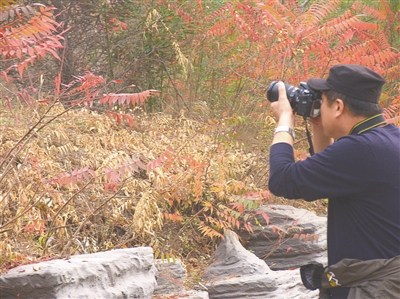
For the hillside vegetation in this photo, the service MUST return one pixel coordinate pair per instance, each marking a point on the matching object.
(146, 124)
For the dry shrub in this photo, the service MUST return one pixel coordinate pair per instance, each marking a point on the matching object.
(83, 183)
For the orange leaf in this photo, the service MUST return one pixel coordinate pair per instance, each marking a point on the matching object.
(21, 67)
(264, 215)
(5, 76)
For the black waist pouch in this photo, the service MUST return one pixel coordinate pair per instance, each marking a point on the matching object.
(311, 275)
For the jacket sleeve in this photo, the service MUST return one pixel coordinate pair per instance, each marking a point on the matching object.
(281, 159)
(343, 168)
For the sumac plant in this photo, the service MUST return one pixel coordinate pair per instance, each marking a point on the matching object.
(84, 168)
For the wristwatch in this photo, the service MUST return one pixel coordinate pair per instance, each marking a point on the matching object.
(285, 129)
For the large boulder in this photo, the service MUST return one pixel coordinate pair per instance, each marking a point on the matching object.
(236, 273)
(292, 238)
(122, 273)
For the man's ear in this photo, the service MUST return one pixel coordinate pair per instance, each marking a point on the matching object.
(339, 107)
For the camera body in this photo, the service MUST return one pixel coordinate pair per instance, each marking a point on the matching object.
(305, 101)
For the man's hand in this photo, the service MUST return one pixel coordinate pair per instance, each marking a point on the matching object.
(284, 114)
(282, 106)
(319, 139)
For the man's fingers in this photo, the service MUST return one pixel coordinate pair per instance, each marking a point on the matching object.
(281, 90)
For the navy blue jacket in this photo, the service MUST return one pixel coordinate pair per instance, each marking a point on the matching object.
(360, 174)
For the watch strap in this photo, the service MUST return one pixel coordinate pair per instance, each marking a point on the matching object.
(286, 129)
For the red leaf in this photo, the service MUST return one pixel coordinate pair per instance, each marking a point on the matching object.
(9, 103)
(54, 53)
(264, 215)
(134, 99)
(5, 76)
(248, 227)
(21, 67)
(19, 53)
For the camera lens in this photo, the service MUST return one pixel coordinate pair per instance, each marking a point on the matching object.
(273, 93)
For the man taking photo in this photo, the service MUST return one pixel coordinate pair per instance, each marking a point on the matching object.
(357, 167)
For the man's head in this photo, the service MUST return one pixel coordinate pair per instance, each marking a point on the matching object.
(357, 86)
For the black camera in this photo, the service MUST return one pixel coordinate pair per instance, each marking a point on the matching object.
(305, 101)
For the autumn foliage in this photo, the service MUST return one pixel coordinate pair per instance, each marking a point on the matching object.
(173, 158)
(28, 33)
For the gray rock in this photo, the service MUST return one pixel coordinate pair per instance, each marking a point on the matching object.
(170, 278)
(236, 273)
(293, 237)
(123, 273)
(257, 286)
(192, 295)
(244, 277)
(231, 259)
(290, 286)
